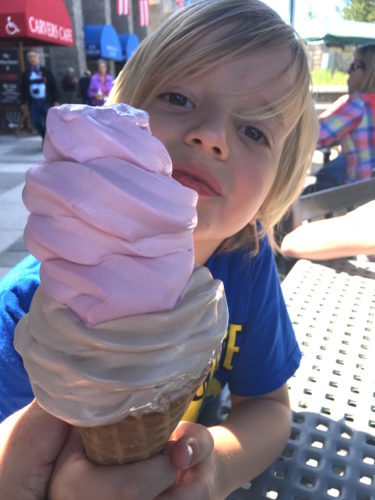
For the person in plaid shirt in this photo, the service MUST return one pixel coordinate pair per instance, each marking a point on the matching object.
(350, 122)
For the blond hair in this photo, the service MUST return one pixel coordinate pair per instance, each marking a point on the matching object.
(171, 54)
(366, 53)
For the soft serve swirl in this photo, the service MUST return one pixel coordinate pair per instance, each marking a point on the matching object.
(111, 226)
(98, 375)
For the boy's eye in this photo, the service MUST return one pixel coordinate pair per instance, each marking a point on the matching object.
(176, 99)
(254, 133)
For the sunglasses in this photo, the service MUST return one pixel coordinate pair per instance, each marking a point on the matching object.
(356, 65)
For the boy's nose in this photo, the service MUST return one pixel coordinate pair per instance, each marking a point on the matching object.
(211, 137)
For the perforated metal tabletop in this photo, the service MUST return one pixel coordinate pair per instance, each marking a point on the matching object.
(331, 451)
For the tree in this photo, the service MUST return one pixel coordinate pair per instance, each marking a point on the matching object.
(360, 10)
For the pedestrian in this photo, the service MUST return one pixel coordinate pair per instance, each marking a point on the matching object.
(38, 91)
(69, 86)
(226, 86)
(84, 84)
(100, 84)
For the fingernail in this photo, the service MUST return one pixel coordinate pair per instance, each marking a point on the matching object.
(189, 453)
(188, 457)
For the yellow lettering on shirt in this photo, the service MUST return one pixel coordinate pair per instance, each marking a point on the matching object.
(210, 387)
(231, 345)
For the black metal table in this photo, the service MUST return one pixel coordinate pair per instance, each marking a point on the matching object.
(331, 450)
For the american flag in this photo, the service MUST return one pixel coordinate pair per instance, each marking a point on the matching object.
(144, 18)
(180, 3)
(123, 7)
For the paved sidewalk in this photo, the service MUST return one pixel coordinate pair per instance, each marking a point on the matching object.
(17, 154)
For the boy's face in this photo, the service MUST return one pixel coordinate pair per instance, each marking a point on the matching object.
(230, 162)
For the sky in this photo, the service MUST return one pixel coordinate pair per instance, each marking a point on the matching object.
(319, 9)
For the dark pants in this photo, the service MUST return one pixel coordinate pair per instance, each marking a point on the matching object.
(38, 115)
(332, 174)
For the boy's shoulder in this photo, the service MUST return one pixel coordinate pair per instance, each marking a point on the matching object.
(16, 292)
(245, 276)
(241, 261)
(17, 288)
(28, 268)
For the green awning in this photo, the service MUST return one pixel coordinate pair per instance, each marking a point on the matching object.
(339, 32)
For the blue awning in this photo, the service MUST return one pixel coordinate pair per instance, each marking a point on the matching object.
(128, 43)
(102, 41)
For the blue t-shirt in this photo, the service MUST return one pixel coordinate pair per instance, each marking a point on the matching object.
(16, 291)
(260, 351)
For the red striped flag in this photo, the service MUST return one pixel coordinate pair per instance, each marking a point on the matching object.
(123, 7)
(144, 17)
(180, 3)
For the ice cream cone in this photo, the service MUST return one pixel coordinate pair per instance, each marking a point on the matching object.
(123, 322)
(135, 437)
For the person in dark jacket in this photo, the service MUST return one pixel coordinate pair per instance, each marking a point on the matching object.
(38, 92)
(84, 84)
(69, 85)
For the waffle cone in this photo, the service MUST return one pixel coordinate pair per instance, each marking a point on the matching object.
(135, 437)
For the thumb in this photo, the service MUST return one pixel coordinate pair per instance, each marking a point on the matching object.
(193, 444)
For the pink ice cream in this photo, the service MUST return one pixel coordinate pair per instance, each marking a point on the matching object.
(113, 229)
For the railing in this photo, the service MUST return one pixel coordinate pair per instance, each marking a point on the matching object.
(334, 201)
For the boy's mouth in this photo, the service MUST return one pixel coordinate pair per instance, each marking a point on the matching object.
(195, 177)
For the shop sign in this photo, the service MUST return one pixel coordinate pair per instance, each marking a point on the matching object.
(9, 77)
(50, 30)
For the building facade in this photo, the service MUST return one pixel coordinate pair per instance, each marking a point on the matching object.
(84, 14)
